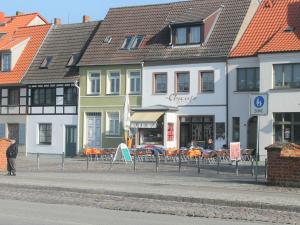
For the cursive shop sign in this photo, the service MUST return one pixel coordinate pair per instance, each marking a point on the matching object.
(180, 99)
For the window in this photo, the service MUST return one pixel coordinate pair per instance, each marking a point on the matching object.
(181, 35)
(286, 127)
(45, 63)
(187, 35)
(6, 62)
(43, 96)
(135, 82)
(114, 82)
(207, 82)
(70, 96)
(132, 42)
(160, 83)
(248, 79)
(195, 35)
(13, 97)
(183, 82)
(93, 83)
(137, 41)
(45, 133)
(113, 123)
(287, 75)
(73, 60)
(235, 129)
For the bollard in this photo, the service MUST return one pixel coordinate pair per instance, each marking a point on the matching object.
(218, 164)
(198, 164)
(252, 166)
(179, 161)
(237, 168)
(63, 161)
(87, 162)
(134, 162)
(156, 162)
(266, 168)
(38, 160)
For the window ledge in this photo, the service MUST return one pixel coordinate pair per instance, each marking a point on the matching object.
(245, 92)
(206, 92)
(159, 94)
(284, 89)
(113, 94)
(95, 94)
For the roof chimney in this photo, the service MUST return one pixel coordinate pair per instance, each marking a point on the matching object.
(86, 19)
(2, 17)
(19, 13)
(57, 21)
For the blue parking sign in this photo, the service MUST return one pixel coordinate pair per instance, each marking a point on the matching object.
(259, 105)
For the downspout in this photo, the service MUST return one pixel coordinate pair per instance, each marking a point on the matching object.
(76, 84)
(227, 99)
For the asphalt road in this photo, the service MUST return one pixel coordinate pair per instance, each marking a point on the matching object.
(20, 213)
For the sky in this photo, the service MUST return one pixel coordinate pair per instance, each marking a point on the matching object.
(69, 11)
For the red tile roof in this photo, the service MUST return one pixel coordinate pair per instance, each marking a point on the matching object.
(266, 32)
(17, 30)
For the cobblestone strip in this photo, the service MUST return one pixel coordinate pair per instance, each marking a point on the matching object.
(147, 205)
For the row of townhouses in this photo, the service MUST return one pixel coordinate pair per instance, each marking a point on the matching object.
(187, 69)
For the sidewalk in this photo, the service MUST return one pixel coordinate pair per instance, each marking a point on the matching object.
(168, 184)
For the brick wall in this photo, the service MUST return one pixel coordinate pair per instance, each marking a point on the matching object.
(283, 166)
(4, 144)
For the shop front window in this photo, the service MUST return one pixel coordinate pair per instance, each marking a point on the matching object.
(286, 127)
(198, 129)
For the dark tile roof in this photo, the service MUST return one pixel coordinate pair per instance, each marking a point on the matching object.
(61, 42)
(153, 22)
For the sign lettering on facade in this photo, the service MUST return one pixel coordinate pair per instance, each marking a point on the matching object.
(180, 99)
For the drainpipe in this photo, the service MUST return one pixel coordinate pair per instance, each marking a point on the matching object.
(227, 99)
(76, 84)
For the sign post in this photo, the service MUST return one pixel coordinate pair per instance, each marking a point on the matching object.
(258, 107)
(235, 154)
(122, 154)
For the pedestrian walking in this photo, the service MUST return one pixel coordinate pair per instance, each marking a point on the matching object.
(11, 155)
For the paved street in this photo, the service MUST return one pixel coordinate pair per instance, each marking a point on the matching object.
(188, 194)
(20, 213)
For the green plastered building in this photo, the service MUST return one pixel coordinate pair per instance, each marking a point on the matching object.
(102, 99)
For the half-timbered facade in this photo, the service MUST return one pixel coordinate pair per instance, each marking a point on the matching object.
(52, 95)
(21, 37)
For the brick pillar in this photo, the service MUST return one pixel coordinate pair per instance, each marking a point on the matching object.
(4, 144)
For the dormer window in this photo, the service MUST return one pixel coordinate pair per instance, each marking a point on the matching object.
(45, 63)
(132, 42)
(73, 60)
(6, 62)
(187, 34)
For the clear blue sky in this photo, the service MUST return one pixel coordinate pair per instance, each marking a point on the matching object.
(70, 10)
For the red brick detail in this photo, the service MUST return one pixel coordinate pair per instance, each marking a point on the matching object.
(284, 166)
(4, 144)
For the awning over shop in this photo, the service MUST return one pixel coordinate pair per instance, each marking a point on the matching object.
(145, 119)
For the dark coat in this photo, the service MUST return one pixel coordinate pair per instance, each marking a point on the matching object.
(12, 151)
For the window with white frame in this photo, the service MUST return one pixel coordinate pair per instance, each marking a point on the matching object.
(135, 82)
(45, 133)
(93, 83)
(182, 82)
(160, 83)
(113, 82)
(6, 62)
(207, 81)
(113, 124)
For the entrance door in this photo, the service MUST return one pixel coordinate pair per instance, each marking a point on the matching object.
(93, 129)
(185, 136)
(71, 141)
(13, 132)
(252, 133)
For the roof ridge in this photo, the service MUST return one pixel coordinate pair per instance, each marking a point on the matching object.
(78, 23)
(28, 27)
(25, 14)
(150, 5)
